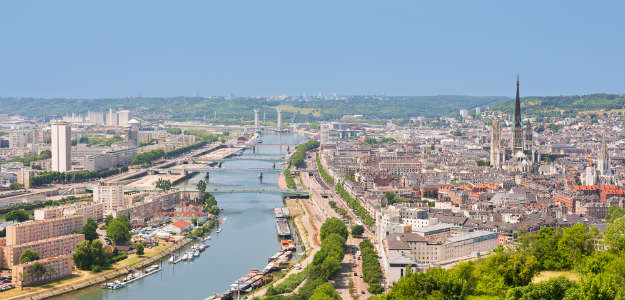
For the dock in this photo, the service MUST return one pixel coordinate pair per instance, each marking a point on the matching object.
(282, 226)
(281, 212)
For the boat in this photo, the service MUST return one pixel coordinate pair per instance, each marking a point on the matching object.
(196, 253)
(218, 230)
(152, 269)
(115, 285)
(287, 244)
(207, 238)
(259, 141)
(172, 259)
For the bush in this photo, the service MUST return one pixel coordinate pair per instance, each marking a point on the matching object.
(290, 183)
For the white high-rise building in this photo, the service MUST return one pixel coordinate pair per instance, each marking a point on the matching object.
(279, 119)
(61, 146)
(111, 119)
(111, 194)
(256, 129)
(123, 116)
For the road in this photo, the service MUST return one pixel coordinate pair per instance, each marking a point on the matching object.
(322, 194)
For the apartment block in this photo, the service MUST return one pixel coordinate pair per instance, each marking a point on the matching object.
(27, 232)
(86, 209)
(62, 245)
(58, 267)
(111, 194)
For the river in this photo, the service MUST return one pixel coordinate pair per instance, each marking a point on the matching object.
(247, 239)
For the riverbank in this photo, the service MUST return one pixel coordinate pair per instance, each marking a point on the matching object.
(78, 283)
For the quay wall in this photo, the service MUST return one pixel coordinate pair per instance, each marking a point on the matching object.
(87, 282)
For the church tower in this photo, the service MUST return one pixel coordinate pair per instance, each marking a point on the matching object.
(528, 143)
(517, 133)
(604, 160)
(495, 144)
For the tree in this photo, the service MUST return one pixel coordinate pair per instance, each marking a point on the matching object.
(16, 186)
(577, 241)
(615, 235)
(201, 186)
(194, 220)
(18, 215)
(82, 255)
(38, 270)
(163, 185)
(614, 212)
(89, 230)
(119, 230)
(358, 230)
(140, 249)
(325, 291)
(107, 220)
(28, 255)
(89, 254)
(333, 225)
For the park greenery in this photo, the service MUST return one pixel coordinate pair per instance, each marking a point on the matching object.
(339, 210)
(354, 205)
(290, 182)
(209, 201)
(148, 157)
(392, 198)
(18, 215)
(163, 184)
(509, 272)
(99, 140)
(298, 159)
(358, 230)
(326, 264)
(48, 177)
(92, 255)
(324, 174)
(37, 204)
(16, 186)
(140, 249)
(26, 160)
(28, 255)
(174, 130)
(288, 284)
(118, 230)
(89, 230)
(371, 270)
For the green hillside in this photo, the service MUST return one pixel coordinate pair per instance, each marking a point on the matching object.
(233, 110)
(565, 105)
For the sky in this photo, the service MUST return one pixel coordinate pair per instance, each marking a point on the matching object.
(262, 48)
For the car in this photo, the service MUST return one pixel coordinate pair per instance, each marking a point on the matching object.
(355, 274)
(360, 275)
(362, 292)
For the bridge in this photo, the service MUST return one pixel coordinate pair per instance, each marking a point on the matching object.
(270, 144)
(276, 160)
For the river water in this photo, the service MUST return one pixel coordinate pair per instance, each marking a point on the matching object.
(247, 239)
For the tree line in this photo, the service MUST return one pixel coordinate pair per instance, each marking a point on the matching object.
(48, 177)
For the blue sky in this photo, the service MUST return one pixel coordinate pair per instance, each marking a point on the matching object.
(217, 47)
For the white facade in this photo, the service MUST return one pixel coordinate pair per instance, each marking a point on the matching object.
(112, 195)
(123, 116)
(61, 147)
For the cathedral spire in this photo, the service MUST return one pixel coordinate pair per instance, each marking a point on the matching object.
(517, 105)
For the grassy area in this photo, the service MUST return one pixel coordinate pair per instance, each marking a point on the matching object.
(546, 275)
(300, 110)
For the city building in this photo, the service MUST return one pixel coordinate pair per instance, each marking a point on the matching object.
(25, 232)
(61, 147)
(123, 116)
(57, 267)
(87, 209)
(111, 194)
(50, 247)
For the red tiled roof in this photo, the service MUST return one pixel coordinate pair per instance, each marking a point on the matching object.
(182, 224)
